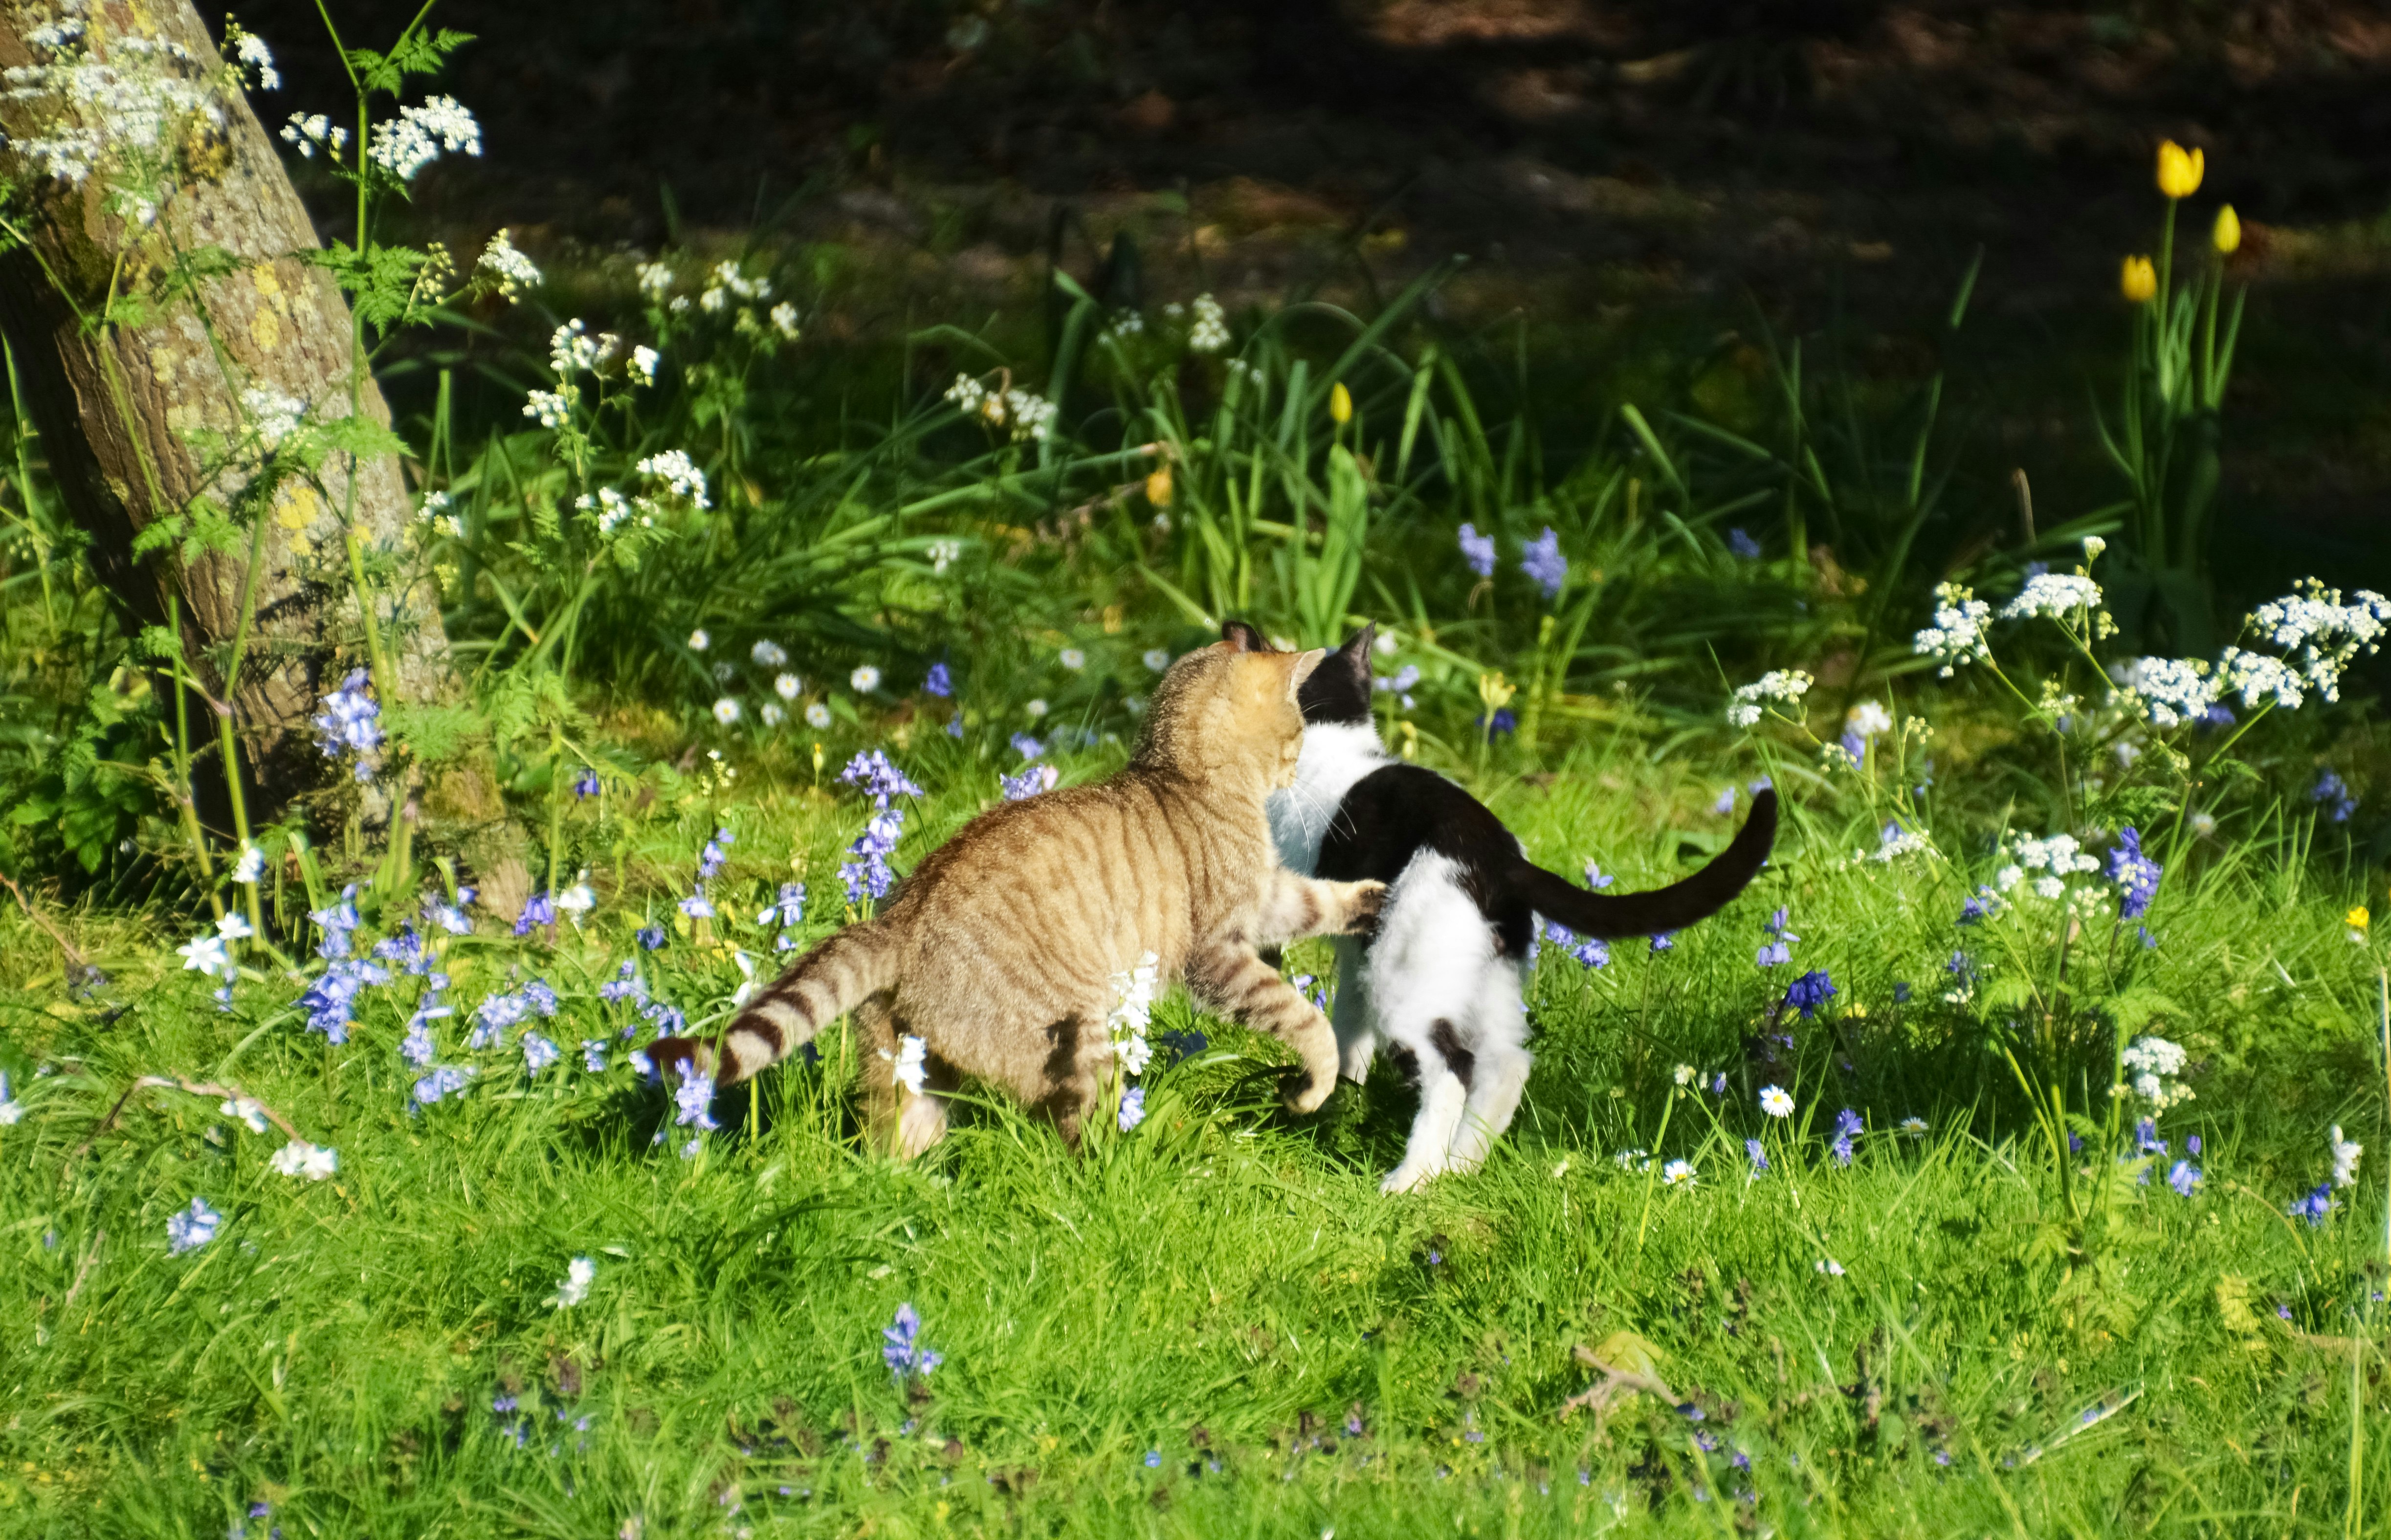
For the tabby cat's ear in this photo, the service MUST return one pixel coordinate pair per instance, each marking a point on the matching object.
(1242, 638)
(1300, 667)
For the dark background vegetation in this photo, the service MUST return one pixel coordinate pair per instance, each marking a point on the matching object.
(1641, 189)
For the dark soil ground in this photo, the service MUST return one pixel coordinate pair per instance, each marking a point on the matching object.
(1636, 184)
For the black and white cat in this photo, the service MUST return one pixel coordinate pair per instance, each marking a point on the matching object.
(1440, 982)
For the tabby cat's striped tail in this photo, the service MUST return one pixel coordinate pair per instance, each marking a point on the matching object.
(822, 985)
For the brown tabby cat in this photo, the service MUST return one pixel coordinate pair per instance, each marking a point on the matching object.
(999, 950)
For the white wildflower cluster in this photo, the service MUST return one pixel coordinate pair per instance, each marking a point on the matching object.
(784, 320)
(2345, 1156)
(612, 508)
(510, 270)
(680, 473)
(643, 363)
(1893, 842)
(405, 145)
(2056, 859)
(1785, 686)
(1958, 634)
(552, 408)
(1210, 332)
(571, 349)
(2259, 680)
(2153, 1063)
(942, 554)
(273, 415)
(251, 53)
(1029, 416)
(2169, 692)
(1128, 323)
(2058, 595)
(655, 281)
(1133, 1010)
(308, 132)
(730, 284)
(117, 100)
(2322, 634)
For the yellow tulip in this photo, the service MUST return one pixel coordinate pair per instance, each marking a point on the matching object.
(2138, 281)
(1157, 487)
(1340, 404)
(2180, 169)
(2227, 234)
(2357, 918)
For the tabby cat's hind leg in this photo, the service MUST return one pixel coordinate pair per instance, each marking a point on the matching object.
(896, 1118)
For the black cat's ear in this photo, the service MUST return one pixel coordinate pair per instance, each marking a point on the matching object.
(1242, 638)
(1357, 646)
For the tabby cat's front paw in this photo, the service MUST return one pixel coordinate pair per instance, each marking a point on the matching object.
(1364, 901)
(1305, 1091)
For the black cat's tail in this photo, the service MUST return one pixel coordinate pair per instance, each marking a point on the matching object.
(1608, 917)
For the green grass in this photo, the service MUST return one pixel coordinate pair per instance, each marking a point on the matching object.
(1224, 1285)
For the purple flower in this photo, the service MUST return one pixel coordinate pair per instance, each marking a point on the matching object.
(538, 1053)
(2183, 1176)
(1132, 1108)
(1478, 551)
(593, 1055)
(1032, 780)
(2315, 1206)
(1726, 805)
(710, 859)
(789, 909)
(336, 921)
(939, 681)
(1590, 951)
(1663, 942)
(651, 938)
(332, 1001)
(1759, 1155)
(1810, 991)
(1026, 746)
(1505, 722)
(1900, 994)
(2136, 875)
(539, 909)
(448, 916)
(871, 775)
(697, 906)
(586, 785)
(625, 985)
(446, 1081)
(1774, 952)
(1543, 561)
(901, 1347)
(191, 1228)
(1742, 544)
(351, 719)
(1847, 1128)
(2191, 1145)
(2333, 792)
(2147, 1140)
(693, 1103)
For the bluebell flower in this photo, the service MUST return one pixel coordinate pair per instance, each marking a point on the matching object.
(2219, 715)
(593, 1055)
(692, 1102)
(939, 681)
(1478, 551)
(191, 1228)
(1132, 1108)
(1810, 991)
(789, 909)
(350, 720)
(585, 786)
(332, 1001)
(538, 910)
(1590, 951)
(697, 906)
(2147, 1140)
(2183, 1176)
(337, 922)
(1725, 803)
(1900, 994)
(417, 1048)
(1033, 779)
(1664, 942)
(954, 727)
(1759, 1157)
(1153, 1458)
(1596, 877)
(711, 857)
(2315, 1206)
(1026, 746)
(1762, 785)
(1718, 1085)
(2136, 875)
(538, 1053)
(871, 775)
(651, 938)
(448, 916)
(1505, 722)
(1740, 541)
(1981, 905)
(1543, 561)
(1847, 1128)
(1773, 953)
(406, 948)
(2193, 1144)
(2074, 1143)
(902, 1349)
(2333, 792)
(625, 985)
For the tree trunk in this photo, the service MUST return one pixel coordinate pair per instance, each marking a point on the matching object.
(114, 403)
(118, 404)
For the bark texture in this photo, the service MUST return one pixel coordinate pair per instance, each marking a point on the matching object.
(117, 406)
